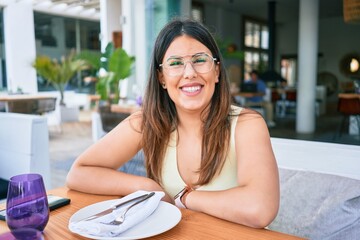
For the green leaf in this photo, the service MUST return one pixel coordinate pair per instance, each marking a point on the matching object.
(120, 64)
(91, 58)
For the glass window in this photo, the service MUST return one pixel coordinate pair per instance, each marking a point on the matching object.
(248, 39)
(256, 37)
(44, 30)
(70, 33)
(265, 37)
(289, 69)
(89, 32)
(56, 36)
(197, 11)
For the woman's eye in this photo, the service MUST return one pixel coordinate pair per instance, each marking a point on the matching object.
(176, 63)
(199, 60)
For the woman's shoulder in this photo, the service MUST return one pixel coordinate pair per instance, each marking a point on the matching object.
(135, 120)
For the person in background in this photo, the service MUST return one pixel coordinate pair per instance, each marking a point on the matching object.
(258, 100)
(204, 153)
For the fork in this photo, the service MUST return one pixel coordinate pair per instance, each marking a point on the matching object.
(121, 218)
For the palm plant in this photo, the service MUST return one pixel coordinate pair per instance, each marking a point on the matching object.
(58, 73)
(111, 67)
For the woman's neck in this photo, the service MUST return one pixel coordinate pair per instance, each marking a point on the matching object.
(190, 121)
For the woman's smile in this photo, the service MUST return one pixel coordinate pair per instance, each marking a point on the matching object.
(191, 89)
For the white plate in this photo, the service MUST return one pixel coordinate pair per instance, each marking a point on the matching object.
(165, 217)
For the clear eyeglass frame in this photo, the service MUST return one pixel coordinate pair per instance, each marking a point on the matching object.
(200, 62)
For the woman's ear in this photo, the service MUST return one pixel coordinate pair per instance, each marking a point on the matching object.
(161, 79)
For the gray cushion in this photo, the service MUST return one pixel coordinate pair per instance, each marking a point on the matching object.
(136, 165)
(318, 206)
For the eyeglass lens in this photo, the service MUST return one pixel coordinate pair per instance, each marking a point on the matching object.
(202, 63)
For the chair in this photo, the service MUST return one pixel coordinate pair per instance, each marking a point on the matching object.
(348, 107)
(287, 103)
(110, 119)
(24, 146)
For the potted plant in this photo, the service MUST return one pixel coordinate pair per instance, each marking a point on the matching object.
(58, 73)
(111, 67)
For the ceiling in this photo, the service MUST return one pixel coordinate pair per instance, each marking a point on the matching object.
(286, 10)
(89, 9)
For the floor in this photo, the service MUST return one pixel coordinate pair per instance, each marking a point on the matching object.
(66, 145)
(75, 137)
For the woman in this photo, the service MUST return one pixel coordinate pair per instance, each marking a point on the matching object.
(218, 157)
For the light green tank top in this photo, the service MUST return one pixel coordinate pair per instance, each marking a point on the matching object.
(172, 181)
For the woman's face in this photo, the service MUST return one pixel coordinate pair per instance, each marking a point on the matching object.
(190, 90)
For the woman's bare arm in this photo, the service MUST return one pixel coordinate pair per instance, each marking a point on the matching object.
(96, 170)
(256, 201)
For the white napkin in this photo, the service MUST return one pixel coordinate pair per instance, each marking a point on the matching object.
(135, 215)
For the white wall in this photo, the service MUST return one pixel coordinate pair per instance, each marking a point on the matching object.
(336, 39)
(20, 46)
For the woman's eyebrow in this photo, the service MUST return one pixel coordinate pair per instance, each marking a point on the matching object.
(177, 56)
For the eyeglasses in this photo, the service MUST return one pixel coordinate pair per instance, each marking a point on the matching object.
(201, 63)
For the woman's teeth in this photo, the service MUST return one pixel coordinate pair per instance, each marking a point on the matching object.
(191, 89)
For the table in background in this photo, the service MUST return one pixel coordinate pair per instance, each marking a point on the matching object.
(240, 97)
(118, 108)
(349, 95)
(192, 225)
(29, 104)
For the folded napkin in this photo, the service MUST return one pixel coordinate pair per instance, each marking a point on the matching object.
(134, 216)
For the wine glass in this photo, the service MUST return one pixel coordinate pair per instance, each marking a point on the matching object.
(22, 234)
(27, 205)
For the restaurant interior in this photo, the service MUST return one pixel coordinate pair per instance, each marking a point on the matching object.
(306, 51)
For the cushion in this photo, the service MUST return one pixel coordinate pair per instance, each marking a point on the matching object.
(318, 206)
(136, 165)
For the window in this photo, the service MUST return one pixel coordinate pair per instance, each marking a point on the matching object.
(256, 38)
(289, 69)
(89, 32)
(56, 36)
(44, 30)
(197, 11)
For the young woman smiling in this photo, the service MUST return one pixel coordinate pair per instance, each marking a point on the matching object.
(204, 153)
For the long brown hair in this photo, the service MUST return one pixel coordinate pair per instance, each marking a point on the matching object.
(160, 116)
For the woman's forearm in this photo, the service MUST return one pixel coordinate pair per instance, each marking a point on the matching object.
(239, 205)
(107, 181)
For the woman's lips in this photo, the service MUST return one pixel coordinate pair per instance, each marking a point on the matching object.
(191, 90)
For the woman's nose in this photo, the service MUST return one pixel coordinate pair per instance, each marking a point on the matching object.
(189, 71)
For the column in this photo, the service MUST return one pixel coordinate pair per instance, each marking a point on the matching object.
(135, 42)
(110, 12)
(307, 73)
(20, 47)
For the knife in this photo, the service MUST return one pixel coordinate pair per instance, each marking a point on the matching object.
(110, 210)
